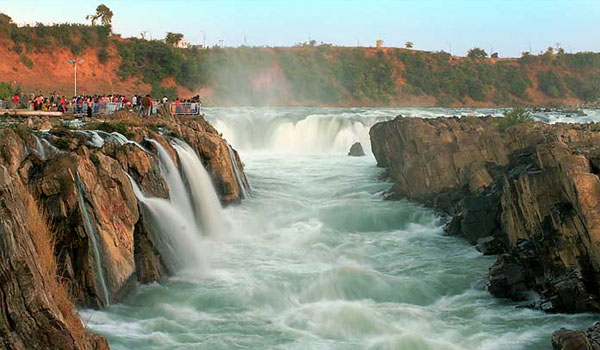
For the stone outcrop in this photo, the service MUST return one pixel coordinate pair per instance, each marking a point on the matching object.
(566, 339)
(98, 242)
(356, 150)
(530, 194)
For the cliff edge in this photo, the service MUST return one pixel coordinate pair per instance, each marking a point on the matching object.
(73, 232)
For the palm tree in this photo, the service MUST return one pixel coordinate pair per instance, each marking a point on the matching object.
(408, 44)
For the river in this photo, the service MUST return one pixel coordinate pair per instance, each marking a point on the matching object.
(316, 259)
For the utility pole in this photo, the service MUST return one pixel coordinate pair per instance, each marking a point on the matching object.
(203, 39)
(75, 62)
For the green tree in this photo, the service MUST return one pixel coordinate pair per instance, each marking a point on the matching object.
(408, 45)
(103, 13)
(173, 38)
(477, 53)
(5, 25)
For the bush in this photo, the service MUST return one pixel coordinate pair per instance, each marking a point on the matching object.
(26, 61)
(102, 55)
(551, 84)
(514, 117)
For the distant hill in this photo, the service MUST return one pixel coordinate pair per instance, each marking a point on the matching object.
(35, 59)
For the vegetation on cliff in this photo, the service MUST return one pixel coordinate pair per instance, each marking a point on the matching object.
(323, 74)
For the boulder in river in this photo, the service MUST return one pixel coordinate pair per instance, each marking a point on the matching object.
(566, 339)
(356, 150)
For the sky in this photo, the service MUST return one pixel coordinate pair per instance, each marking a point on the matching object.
(508, 27)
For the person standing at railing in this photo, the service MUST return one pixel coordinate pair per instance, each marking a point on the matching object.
(90, 105)
(177, 106)
(147, 105)
(15, 101)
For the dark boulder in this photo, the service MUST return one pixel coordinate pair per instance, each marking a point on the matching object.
(566, 339)
(356, 150)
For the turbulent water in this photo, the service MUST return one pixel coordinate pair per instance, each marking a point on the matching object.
(315, 259)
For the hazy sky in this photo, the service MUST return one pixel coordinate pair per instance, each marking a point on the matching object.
(509, 26)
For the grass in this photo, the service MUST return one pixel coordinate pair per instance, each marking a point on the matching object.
(44, 241)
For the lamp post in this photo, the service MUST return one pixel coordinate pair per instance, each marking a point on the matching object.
(75, 62)
(203, 39)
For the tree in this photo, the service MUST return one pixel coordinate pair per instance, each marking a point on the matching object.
(494, 55)
(173, 38)
(103, 13)
(408, 45)
(477, 53)
(5, 24)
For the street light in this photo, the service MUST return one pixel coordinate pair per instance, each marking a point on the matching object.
(75, 63)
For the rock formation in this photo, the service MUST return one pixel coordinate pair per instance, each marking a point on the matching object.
(71, 190)
(356, 150)
(530, 193)
(566, 339)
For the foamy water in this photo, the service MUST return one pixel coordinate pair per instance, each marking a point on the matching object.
(315, 259)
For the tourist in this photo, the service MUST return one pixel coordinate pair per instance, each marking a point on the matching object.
(147, 105)
(15, 101)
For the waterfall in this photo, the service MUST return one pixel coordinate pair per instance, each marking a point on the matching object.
(202, 192)
(175, 234)
(177, 224)
(237, 171)
(91, 232)
(39, 148)
(297, 133)
(177, 190)
(44, 149)
(92, 138)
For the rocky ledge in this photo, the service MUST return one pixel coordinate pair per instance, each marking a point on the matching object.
(71, 229)
(529, 194)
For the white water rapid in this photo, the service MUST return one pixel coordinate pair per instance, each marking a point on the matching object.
(316, 259)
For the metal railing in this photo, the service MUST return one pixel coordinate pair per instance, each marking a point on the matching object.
(105, 108)
(187, 108)
(108, 108)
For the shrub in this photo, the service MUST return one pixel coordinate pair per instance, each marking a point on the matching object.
(102, 55)
(551, 84)
(26, 61)
(514, 117)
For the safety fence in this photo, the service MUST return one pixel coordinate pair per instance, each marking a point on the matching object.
(108, 108)
(105, 108)
(186, 108)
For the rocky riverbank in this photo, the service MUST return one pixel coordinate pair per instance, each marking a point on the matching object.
(529, 194)
(72, 232)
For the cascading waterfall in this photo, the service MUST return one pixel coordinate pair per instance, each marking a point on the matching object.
(92, 233)
(44, 149)
(192, 210)
(177, 190)
(317, 259)
(238, 173)
(202, 193)
(297, 133)
(176, 233)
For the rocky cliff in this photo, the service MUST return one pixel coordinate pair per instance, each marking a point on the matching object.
(72, 232)
(529, 194)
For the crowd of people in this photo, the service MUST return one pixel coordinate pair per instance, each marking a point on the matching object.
(104, 104)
